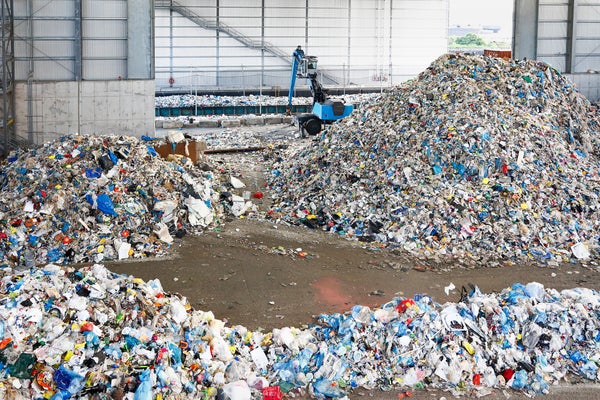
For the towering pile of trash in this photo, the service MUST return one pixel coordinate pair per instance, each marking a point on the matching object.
(477, 156)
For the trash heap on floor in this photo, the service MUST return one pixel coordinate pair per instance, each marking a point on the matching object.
(230, 139)
(475, 156)
(67, 333)
(190, 100)
(92, 198)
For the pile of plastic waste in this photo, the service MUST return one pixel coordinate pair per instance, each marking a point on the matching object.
(92, 198)
(190, 100)
(475, 156)
(67, 333)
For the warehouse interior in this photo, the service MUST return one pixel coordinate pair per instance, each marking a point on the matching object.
(187, 213)
(95, 66)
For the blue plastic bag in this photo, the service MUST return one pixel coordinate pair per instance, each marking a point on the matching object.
(144, 390)
(68, 382)
(54, 255)
(151, 151)
(113, 157)
(324, 387)
(93, 173)
(103, 203)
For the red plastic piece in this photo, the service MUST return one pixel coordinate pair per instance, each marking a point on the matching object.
(272, 393)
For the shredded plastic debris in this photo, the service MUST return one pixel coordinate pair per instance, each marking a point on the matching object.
(189, 100)
(92, 198)
(78, 333)
(476, 156)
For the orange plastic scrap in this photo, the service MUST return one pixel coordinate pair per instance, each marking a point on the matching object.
(5, 342)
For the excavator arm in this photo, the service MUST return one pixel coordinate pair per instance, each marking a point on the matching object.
(324, 111)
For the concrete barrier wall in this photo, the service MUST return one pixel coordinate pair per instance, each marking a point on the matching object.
(47, 110)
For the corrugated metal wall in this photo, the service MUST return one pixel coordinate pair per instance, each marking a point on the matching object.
(83, 66)
(228, 43)
(104, 39)
(70, 40)
(566, 36)
(569, 34)
(44, 43)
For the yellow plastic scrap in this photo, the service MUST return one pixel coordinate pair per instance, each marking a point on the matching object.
(267, 339)
(68, 355)
(469, 347)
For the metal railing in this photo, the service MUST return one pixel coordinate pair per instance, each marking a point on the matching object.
(232, 32)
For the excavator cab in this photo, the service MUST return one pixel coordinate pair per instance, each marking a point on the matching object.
(324, 111)
(308, 67)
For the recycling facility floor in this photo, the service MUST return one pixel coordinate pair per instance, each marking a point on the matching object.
(262, 274)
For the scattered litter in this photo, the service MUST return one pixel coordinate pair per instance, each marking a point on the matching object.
(188, 100)
(476, 156)
(449, 288)
(68, 332)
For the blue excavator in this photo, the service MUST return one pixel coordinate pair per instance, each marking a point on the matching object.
(324, 111)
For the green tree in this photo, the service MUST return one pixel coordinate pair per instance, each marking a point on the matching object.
(469, 40)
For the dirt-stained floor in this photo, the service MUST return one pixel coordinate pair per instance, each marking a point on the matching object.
(263, 274)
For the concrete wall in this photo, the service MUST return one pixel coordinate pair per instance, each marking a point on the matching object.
(47, 110)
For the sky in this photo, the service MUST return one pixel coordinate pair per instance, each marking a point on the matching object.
(481, 12)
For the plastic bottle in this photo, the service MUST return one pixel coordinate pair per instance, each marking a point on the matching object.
(304, 357)
(361, 314)
(29, 258)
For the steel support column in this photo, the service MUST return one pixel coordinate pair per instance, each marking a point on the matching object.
(349, 33)
(262, 46)
(525, 29)
(218, 35)
(7, 76)
(571, 37)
